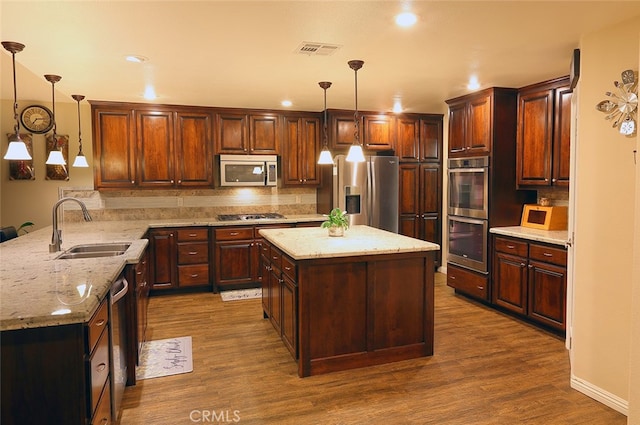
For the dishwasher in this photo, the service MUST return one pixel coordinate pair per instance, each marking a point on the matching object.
(118, 316)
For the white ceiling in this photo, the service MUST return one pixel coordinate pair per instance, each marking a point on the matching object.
(242, 53)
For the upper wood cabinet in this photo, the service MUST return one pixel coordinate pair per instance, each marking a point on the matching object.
(113, 147)
(419, 138)
(144, 146)
(376, 131)
(247, 133)
(544, 133)
(476, 120)
(301, 147)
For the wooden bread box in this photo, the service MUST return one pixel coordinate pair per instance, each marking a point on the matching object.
(549, 217)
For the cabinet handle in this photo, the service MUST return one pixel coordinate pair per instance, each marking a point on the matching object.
(233, 233)
(511, 246)
(480, 287)
(193, 235)
(171, 181)
(104, 421)
(194, 275)
(530, 266)
(133, 181)
(193, 252)
(100, 322)
(554, 180)
(452, 277)
(522, 264)
(101, 367)
(547, 254)
(468, 147)
(546, 180)
(179, 181)
(287, 268)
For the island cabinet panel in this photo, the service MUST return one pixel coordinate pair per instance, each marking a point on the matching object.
(68, 367)
(364, 310)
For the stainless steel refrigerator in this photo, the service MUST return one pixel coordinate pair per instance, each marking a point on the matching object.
(368, 190)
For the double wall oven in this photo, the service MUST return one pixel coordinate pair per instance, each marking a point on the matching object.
(468, 212)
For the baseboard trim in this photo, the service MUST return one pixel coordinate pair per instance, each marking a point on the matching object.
(598, 394)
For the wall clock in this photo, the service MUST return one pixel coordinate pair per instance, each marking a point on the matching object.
(37, 119)
(622, 106)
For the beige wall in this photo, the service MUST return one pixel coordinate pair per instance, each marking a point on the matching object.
(604, 237)
(31, 200)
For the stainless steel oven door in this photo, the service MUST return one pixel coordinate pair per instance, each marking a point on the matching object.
(469, 187)
(468, 243)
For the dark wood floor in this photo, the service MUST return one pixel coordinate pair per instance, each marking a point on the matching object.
(487, 369)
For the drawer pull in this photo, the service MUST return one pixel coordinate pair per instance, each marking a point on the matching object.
(287, 268)
(511, 246)
(104, 421)
(100, 322)
(522, 264)
(193, 252)
(193, 235)
(547, 254)
(452, 277)
(233, 233)
(194, 275)
(480, 287)
(101, 367)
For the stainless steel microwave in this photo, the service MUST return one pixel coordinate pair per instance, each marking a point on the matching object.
(248, 170)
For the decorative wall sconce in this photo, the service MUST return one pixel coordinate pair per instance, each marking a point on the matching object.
(355, 151)
(325, 154)
(81, 160)
(17, 149)
(622, 107)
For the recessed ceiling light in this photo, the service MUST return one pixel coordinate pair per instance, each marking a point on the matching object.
(397, 106)
(150, 93)
(406, 19)
(136, 58)
(473, 84)
(286, 103)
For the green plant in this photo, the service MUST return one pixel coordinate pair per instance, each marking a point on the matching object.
(337, 218)
(24, 226)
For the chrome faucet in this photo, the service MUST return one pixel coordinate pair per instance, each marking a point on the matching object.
(56, 238)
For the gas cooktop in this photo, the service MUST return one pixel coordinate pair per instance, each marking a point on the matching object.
(234, 217)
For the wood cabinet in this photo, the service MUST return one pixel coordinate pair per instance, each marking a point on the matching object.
(419, 138)
(476, 120)
(301, 147)
(71, 366)
(420, 197)
(544, 134)
(376, 131)
(147, 146)
(142, 300)
(179, 258)
(468, 282)
(531, 279)
(247, 133)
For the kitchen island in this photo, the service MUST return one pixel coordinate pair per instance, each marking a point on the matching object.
(348, 302)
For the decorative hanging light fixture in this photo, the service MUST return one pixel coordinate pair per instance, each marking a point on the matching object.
(355, 151)
(17, 148)
(55, 156)
(81, 160)
(325, 154)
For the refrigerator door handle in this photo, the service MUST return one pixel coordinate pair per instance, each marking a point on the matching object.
(371, 191)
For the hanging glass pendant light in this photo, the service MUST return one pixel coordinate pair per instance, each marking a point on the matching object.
(325, 154)
(81, 160)
(55, 156)
(355, 151)
(17, 148)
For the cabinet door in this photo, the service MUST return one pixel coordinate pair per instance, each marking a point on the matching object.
(534, 138)
(510, 282)
(548, 294)
(379, 132)
(193, 157)
(265, 283)
(342, 129)
(155, 149)
(301, 146)
(478, 136)
(289, 322)
(408, 139)
(430, 196)
(232, 135)
(409, 208)
(235, 262)
(275, 297)
(114, 148)
(457, 129)
(431, 140)
(163, 259)
(562, 137)
(263, 134)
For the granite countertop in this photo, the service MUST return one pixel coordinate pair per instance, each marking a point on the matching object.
(309, 243)
(555, 237)
(38, 290)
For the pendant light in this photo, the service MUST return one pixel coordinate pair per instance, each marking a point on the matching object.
(325, 154)
(17, 148)
(355, 151)
(81, 160)
(55, 156)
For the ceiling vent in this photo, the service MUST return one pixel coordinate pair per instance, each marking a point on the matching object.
(317, 49)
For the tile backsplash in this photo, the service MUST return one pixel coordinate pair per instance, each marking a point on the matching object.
(199, 203)
(556, 196)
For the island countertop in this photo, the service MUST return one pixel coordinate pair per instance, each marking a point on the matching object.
(307, 243)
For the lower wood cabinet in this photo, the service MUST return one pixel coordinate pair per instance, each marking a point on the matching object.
(531, 279)
(68, 367)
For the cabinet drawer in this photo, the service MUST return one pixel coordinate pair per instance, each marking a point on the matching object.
(467, 282)
(186, 235)
(235, 233)
(193, 275)
(102, 415)
(548, 254)
(511, 246)
(193, 253)
(99, 365)
(289, 267)
(97, 324)
(275, 257)
(265, 248)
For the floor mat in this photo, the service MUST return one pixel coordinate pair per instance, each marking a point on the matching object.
(241, 294)
(165, 357)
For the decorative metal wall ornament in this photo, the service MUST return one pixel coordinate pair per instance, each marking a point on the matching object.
(622, 107)
(61, 145)
(22, 169)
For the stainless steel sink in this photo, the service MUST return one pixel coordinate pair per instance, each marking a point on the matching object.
(94, 251)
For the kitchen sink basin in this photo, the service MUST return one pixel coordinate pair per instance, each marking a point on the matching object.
(94, 251)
